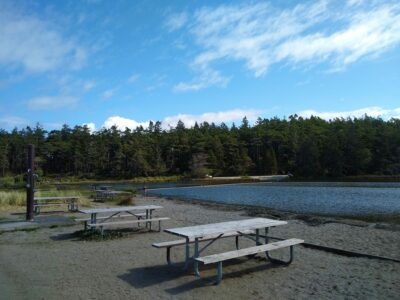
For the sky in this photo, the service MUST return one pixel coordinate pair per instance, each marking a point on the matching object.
(124, 63)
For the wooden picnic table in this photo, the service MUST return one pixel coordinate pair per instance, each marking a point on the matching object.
(216, 231)
(108, 194)
(71, 201)
(112, 212)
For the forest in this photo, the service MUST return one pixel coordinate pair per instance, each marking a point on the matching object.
(305, 147)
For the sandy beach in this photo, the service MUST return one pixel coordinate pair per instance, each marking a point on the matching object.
(57, 263)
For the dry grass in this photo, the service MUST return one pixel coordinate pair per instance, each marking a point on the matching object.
(12, 199)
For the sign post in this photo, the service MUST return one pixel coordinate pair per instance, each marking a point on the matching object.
(30, 183)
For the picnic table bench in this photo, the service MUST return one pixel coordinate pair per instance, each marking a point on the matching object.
(98, 220)
(70, 201)
(249, 228)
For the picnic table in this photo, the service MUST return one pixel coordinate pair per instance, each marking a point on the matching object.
(113, 212)
(104, 194)
(70, 201)
(249, 228)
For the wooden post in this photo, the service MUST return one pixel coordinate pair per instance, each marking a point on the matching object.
(30, 183)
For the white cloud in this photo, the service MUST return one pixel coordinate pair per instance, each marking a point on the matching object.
(123, 123)
(188, 119)
(312, 32)
(212, 117)
(91, 126)
(176, 21)
(369, 33)
(373, 111)
(51, 102)
(30, 43)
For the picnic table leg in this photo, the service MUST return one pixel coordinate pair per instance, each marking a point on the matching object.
(281, 262)
(257, 237)
(196, 254)
(169, 256)
(187, 254)
(257, 242)
(93, 218)
(237, 242)
(151, 212)
(274, 260)
(147, 216)
(219, 273)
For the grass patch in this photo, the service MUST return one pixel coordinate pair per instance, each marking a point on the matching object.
(12, 198)
(29, 229)
(17, 198)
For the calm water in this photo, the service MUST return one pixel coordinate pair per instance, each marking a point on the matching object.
(317, 198)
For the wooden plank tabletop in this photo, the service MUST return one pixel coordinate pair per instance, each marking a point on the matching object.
(224, 227)
(118, 209)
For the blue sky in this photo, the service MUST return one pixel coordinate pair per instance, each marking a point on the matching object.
(127, 62)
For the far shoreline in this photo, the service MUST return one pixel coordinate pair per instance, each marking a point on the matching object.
(384, 221)
(235, 179)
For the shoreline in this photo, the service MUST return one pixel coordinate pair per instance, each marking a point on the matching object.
(51, 181)
(391, 222)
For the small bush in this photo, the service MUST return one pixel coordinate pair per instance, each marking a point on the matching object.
(126, 200)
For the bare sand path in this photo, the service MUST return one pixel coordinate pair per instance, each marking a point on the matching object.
(54, 263)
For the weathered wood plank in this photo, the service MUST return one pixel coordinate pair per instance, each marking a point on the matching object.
(104, 217)
(119, 209)
(248, 251)
(183, 242)
(209, 230)
(56, 198)
(109, 224)
(52, 204)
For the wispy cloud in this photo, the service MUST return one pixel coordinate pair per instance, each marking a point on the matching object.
(89, 85)
(30, 43)
(176, 21)
(108, 93)
(13, 121)
(133, 78)
(261, 35)
(208, 77)
(52, 102)
(373, 111)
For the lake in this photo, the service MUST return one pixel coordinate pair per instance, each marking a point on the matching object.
(331, 198)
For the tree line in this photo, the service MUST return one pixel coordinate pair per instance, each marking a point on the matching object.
(305, 147)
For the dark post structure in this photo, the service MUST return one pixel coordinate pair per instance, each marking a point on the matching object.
(30, 183)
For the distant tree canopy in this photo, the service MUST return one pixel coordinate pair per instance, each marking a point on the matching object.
(304, 147)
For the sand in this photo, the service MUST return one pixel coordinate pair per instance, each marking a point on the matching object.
(55, 263)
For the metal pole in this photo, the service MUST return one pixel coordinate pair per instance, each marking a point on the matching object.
(30, 183)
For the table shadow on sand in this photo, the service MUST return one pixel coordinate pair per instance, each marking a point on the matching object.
(143, 277)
